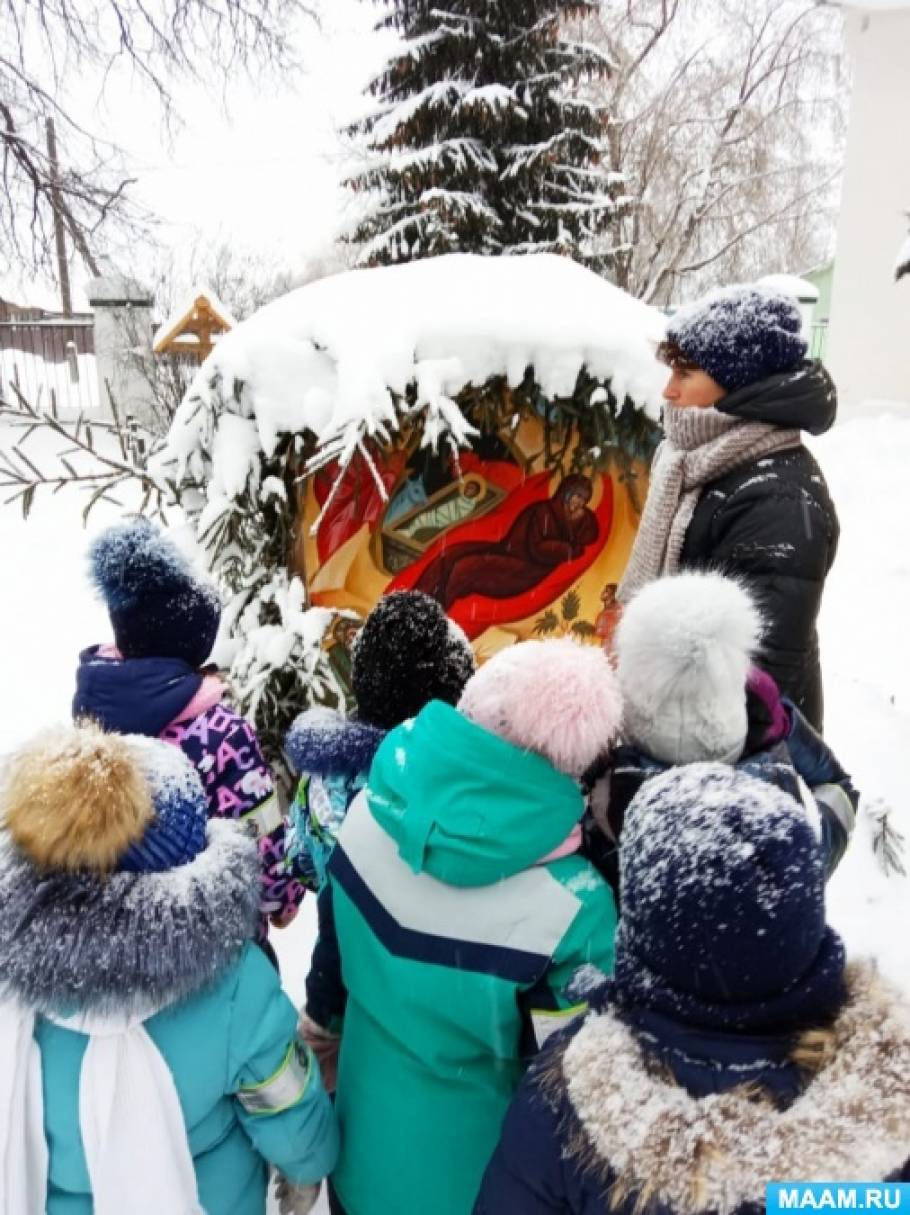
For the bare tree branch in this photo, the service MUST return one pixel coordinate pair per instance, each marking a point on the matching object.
(159, 41)
(724, 137)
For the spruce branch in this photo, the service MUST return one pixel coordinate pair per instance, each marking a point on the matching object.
(81, 463)
(888, 843)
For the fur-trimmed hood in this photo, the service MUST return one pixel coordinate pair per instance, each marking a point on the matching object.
(321, 742)
(641, 1132)
(80, 942)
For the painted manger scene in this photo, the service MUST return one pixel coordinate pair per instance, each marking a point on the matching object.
(517, 536)
(491, 451)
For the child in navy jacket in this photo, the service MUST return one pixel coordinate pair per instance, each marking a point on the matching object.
(732, 1047)
(151, 681)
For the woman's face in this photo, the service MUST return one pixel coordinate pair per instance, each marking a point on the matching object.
(691, 388)
(575, 504)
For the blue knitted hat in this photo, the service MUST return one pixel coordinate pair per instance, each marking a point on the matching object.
(157, 605)
(723, 907)
(740, 336)
(176, 833)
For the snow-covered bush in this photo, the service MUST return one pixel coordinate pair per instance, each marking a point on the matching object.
(433, 353)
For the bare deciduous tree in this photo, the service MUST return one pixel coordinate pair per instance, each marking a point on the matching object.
(728, 122)
(243, 279)
(45, 44)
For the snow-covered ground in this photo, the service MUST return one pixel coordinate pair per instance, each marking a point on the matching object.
(866, 657)
(47, 614)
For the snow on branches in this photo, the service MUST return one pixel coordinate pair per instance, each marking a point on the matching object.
(428, 353)
(478, 141)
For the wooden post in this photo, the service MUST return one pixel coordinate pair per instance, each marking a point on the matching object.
(59, 233)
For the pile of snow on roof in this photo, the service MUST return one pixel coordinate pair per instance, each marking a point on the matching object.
(336, 357)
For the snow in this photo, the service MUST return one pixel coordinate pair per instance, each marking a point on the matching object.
(134, 559)
(680, 823)
(338, 356)
(48, 613)
(788, 284)
(168, 771)
(234, 456)
(865, 650)
(902, 265)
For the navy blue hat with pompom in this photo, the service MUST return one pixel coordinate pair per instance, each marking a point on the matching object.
(723, 904)
(157, 605)
(177, 833)
(741, 336)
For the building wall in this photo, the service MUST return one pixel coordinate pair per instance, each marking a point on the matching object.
(869, 341)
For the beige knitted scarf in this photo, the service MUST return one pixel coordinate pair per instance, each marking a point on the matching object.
(699, 446)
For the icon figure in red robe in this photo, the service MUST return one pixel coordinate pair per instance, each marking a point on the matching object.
(608, 618)
(542, 536)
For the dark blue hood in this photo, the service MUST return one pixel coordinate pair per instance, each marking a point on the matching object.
(708, 1061)
(132, 695)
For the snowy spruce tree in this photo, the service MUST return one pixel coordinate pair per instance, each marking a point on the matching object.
(480, 142)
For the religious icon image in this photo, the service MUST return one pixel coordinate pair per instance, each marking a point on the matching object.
(608, 617)
(339, 650)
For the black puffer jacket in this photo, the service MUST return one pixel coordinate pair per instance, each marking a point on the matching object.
(772, 523)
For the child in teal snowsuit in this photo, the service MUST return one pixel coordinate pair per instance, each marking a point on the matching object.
(463, 911)
(153, 1064)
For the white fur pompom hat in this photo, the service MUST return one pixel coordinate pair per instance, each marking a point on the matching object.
(557, 698)
(684, 647)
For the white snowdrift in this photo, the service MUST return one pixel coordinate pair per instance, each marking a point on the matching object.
(337, 356)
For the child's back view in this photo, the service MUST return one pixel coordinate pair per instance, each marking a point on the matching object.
(684, 649)
(732, 1047)
(406, 654)
(150, 1061)
(151, 682)
(462, 911)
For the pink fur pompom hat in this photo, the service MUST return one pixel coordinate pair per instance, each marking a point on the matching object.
(557, 698)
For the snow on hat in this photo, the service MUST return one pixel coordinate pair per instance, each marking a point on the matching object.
(558, 698)
(723, 901)
(740, 335)
(684, 647)
(77, 799)
(407, 654)
(157, 605)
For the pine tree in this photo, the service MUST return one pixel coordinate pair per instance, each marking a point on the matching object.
(480, 142)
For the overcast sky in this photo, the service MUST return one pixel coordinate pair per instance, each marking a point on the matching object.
(259, 165)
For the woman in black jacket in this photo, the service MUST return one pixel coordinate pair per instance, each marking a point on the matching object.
(732, 486)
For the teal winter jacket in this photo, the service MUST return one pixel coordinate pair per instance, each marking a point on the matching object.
(457, 944)
(250, 1093)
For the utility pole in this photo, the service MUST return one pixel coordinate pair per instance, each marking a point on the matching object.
(59, 233)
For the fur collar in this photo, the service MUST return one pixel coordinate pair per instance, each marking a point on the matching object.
(76, 942)
(323, 743)
(648, 1137)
